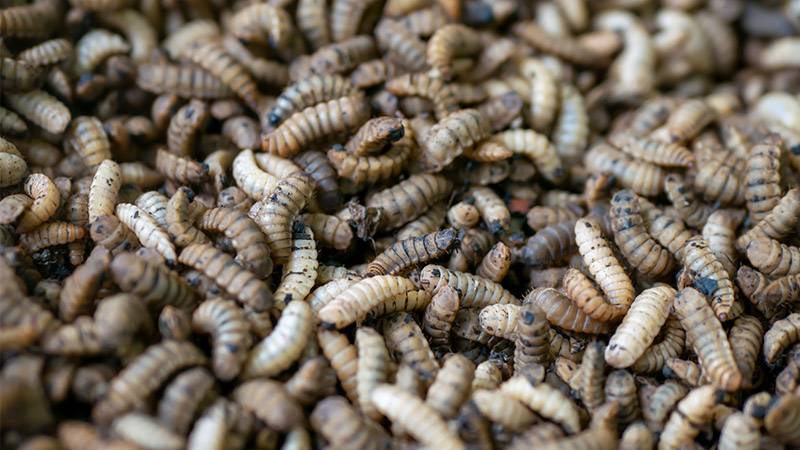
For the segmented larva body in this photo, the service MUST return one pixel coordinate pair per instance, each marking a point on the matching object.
(251, 246)
(314, 123)
(152, 281)
(640, 327)
(95, 47)
(50, 234)
(42, 109)
(544, 400)
(230, 333)
(537, 148)
(144, 375)
(686, 121)
(312, 21)
(353, 304)
(105, 187)
(147, 230)
(500, 320)
(401, 45)
(642, 177)
(111, 233)
(185, 125)
(137, 28)
(183, 398)
(46, 53)
(590, 376)
(155, 204)
(475, 292)
(46, 200)
(698, 258)
(533, 338)
(236, 280)
(439, 316)
(300, 270)
(586, 296)
(495, 265)
(683, 425)
(449, 43)
(404, 337)
(343, 358)
(694, 212)
(740, 431)
(89, 139)
(782, 419)
(493, 210)
(447, 139)
(718, 180)
(330, 231)
(669, 230)
(561, 312)
(704, 332)
(373, 361)
(405, 254)
(211, 56)
(783, 290)
(360, 171)
(263, 23)
(11, 123)
(422, 85)
(274, 214)
(269, 402)
(571, 133)
(781, 221)
(621, 388)
(669, 344)
(544, 96)
(720, 234)
(503, 409)
(602, 264)
(140, 174)
(781, 335)
(562, 47)
(243, 131)
(317, 166)
(375, 135)
(335, 58)
(451, 386)
(762, 178)
(745, 338)
(250, 177)
(552, 243)
(408, 199)
(653, 151)
(336, 420)
(179, 222)
(639, 248)
(34, 20)
(308, 92)
(773, 258)
(81, 287)
(657, 406)
(284, 345)
(18, 75)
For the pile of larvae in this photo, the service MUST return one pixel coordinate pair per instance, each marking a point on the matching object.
(399, 224)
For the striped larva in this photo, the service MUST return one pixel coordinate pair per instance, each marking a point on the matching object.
(330, 231)
(503, 409)
(284, 345)
(691, 412)
(46, 200)
(448, 43)
(642, 177)
(424, 86)
(230, 333)
(488, 151)
(562, 313)
(783, 290)
(641, 325)
(34, 20)
(404, 337)
(500, 320)
(621, 388)
(152, 281)
(361, 171)
(140, 174)
(212, 57)
(140, 429)
(146, 373)
(314, 379)
(308, 92)
(602, 264)
(778, 223)
(451, 386)
(343, 358)
(13, 167)
(496, 263)
(568, 49)
(540, 217)
(50, 234)
(317, 166)
(174, 323)
(251, 246)
(147, 230)
(687, 372)
(773, 258)
(653, 151)
(374, 72)
(657, 406)
(373, 361)
(669, 344)
(275, 213)
(353, 304)
(720, 234)
(447, 138)
(781, 419)
(532, 343)
(401, 45)
(183, 397)
(544, 400)
(640, 249)
(234, 198)
(700, 261)
(315, 123)
(312, 21)
(408, 199)
(41, 109)
(718, 180)
(336, 420)
(584, 293)
(740, 431)
(95, 47)
(180, 169)
(111, 233)
(48, 52)
(552, 243)
(439, 316)
(544, 96)
(82, 285)
(762, 189)
(685, 122)
(106, 183)
(537, 148)
(18, 75)
(242, 130)
(745, 338)
(87, 136)
(184, 126)
(473, 246)
(405, 254)
(704, 332)
(475, 292)
(300, 270)
(493, 210)
(694, 212)
(250, 177)
(263, 23)
(155, 204)
(261, 69)
(781, 335)
(430, 221)
(11, 123)
(335, 58)
(179, 220)
(375, 135)
(270, 403)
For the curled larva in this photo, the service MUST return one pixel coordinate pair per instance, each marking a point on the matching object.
(180, 169)
(275, 213)
(375, 136)
(230, 333)
(448, 138)
(704, 332)
(48, 52)
(314, 379)
(147, 230)
(700, 261)
(361, 171)
(740, 431)
(779, 222)
(451, 386)
(424, 86)
(782, 291)
(585, 294)
(331, 231)
(782, 418)
(669, 343)
(474, 245)
(263, 23)
(657, 406)
(718, 180)
(762, 178)
(184, 127)
(404, 255)
(317, 166)
(152, 281)
(33, 20)
(694, 212)
(236, 280)
(541, 217)
(503, 409)
(213, 57)
(50, 234)
(336, 420)
(251, 246)
(439, 316)
(642, 177)
(639, 248)
(353, 304)
(773, 258)
(474, 291)
(781, 335)
(561, 312)
(184, 397)
(691, 412)
(308, 92)
(685, 122)
(270, 403)
(11, 123)
(448, 43)
(46, 200)
(493, 210)
(111, 233)
(653, 151)
(250, 177)
(95, 47)
(373, 361)
(495, 265)
(179, 221)
(545, 400)
(284, 345)
(41, 109)
(602, 264)
(408, 199)
(315, 123)
(641, 325)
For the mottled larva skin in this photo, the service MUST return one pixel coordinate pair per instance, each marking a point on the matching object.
(404, 337)
(685, 122)
(79, 289)
(243, 131)
(448, 43)
(251, 246)
(284, 345)
(179, 221)
(669, 344)
(343, 358)
(780, 222)
(230, 334)
(50, 234)
(404, 255)
(263, 23)
(544, 400)
(184, 127)
(560, 311)
(544, 98)
(746, 337)
(270, 403)
(773, 258)
(602, 264)
(533, 338)
(641, 325)
(475, 292)
(315, 123)
(42, 109)
(420, 420)
(474, 245)
(439, 316)
(314, 379)
(495, 265)
(447, 139)
(183, 398)
(212, 57)
(153, 282)
(155, 204)
(147, 230)
(111, 233)
(656, 152)
(408, 199)
(336, 420)
(144, 375)
(103, 192)
(657, 406)
(431, 88)
(782, 419)
(46, 199)
(402, 44)
(762, 178)
(354, 304)
(639, 248)
(740, 432)
(330, 231)
(704, 332)
(698, 258)
(503, 409)
(275, 213)
(690, 209)
(500, 320)
(720, 234)
(308, 92)
(300, 270)
(692, 412)
(375, 135)
(95, 47)
(781, 335)
(373, 360)
(236, 280)
(718, 180)
(783, 290)
(537, 148)
(642, 177)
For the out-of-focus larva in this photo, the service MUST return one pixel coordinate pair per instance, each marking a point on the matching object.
(781, 335)
(532, 344)
(657, 406)
(745, 338)
(230, 333)
(314, 379)
(315, 123)
(184, 127)
(586, 296)
(488, 151)
(309, 92)
(12, 206)
(448, 138)
(353, 304)
(174, 323)
(87, 136)
(451, 386)
(234, 198)
(140, 174)
(12, 164)
(374, 72)
(19, 76)
(136, 27)
(541, 217)
(312, 21)
(250, 177)
(544, 96)
(335, 58)
(720, 234)
(34, 20)
(685, 122)
(143, 375)
(41, 108)
(773, 258)
(111, 233)
(405, 338)
(545, 400)
(401, 45)
(11, 123)
(704, 332)
(250, 244)
(491, 207)
(778, 223)
(571, 133)
(211, 56)
(262, 70)
(48, 52)
(263, 23)
(80, 288)
(46, 200)
(50, 234)
(147, 230)
(343, 358)
(590, 377)
(602, 264)
(317, 166)
(269, 402)
(642, 177)
(691, 413)
(475, 292)
(405, 254)
(274, 214)
(496, 263)
(336, 420)
(641, 325)
(408, 199)
(740, 431)
(183, 398)
(640, 249)
(427, 87)
(153, 282)
(537, 148)
(621, 388)
(718, 180)
(439, 316)
(463, 215)
(562, 47)
(691, 210)
(373, 360)
(95, 47)
(782, 291)
(653, 151)
(782, 417)
(330, 231)
(103, 192)
(449, 43)
(762, 179)
(284, 345)
(242, 130)
(503, 409)
(179, 222)
(561, 312)
(428, 222)
(698, 258)
(143, 430)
